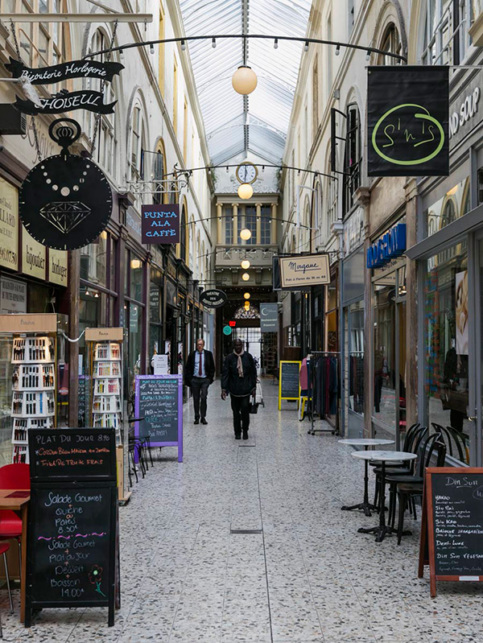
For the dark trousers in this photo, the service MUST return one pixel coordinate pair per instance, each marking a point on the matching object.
(199, 390)
(241, 413)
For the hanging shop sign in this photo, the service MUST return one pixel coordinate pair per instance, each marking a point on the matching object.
(269, 318)
(392, 244)
(66, 102)
(65, 201)
(13, 296)
(227, 330)
(465, 112)
(160, 223)
(8, 225)
(65, 71)
(304, 270)
(407, 121)
(58, 267)
(213, 298)
(34, 256)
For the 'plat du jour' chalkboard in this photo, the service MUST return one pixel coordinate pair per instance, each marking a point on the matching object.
(289, 384)
(159, 400)
(452, 525)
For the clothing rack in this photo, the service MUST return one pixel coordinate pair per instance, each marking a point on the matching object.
(312, 359)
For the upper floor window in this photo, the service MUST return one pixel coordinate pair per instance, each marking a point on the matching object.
(104, 152)
(352, 157)
(391, 44)
(158, 175)
(266, 224)
(446, 23)
(350, 14)
(137, 139)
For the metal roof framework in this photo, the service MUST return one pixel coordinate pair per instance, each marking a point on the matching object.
(257, 123)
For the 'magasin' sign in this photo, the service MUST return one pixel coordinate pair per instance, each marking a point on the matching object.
(407, 121)
(390, 245)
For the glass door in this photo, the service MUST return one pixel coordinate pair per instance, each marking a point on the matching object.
(477, 417)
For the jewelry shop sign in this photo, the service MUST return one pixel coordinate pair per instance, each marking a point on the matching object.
(160, 223)
(407, 121)
(9, 225)
(304, 270)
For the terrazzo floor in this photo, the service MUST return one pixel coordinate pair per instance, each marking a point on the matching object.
(246, 542)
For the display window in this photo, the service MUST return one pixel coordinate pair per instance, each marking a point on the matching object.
(356, 357)
(446, 336)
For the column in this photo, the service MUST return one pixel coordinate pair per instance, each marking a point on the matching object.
(274, 224)
(73, 291)
(236, 241)
(219, 213)
(259, 223)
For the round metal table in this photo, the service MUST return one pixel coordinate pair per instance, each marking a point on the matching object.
(382, 456)
(366, 506)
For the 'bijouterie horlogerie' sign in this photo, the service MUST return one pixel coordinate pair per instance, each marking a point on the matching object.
(58, 73)
(160, 223)
(304, 270)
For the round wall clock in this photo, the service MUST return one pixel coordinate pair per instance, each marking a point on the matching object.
(65, 202)
(246, 172)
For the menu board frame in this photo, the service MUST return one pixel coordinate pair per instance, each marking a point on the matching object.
(280, 383)
(138, 410)
(428, 544)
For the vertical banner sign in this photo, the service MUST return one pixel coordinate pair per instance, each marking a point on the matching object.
(269, 318)
(160, 223)
(407, 121)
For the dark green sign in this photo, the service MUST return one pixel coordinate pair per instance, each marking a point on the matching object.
(407, 121)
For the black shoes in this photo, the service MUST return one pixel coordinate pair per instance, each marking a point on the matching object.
(197, 421)
(203, 421)
(245, 435)
(237, 436)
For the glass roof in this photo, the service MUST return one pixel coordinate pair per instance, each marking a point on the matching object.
(259, 122)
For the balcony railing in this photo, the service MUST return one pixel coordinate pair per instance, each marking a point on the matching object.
(259, 256)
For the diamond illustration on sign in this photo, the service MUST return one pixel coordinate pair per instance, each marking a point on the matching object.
(65, 216)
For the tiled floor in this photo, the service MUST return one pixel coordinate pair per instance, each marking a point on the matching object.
(304, 574)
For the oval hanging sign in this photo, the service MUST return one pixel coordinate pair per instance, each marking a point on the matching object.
(213, 298)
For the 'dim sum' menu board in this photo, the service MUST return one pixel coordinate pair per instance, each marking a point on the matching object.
(71, 555)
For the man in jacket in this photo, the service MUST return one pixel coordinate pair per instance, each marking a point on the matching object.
(239, 378)
(198, 375)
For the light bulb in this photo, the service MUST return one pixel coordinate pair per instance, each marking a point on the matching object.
(245, 264)
(337, 50)
(245, 276)
(245, 234)
(275, 43)
(151, 49)
(247, 295)
(244, 80)
(183, 45)
(245, 191)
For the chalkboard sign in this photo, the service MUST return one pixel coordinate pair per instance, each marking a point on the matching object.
(67, 454)
(289, 385)
(84, 406)
(71, 553)
(452, 526)
(159, 400)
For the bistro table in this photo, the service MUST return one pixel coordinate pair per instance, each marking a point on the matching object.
(366, 506)
(18, 500)
(382, 456)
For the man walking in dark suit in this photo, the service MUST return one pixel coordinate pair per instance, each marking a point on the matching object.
(199, 374)
(239, 379)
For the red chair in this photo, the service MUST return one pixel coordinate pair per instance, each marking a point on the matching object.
(4, 547)
(13, 476)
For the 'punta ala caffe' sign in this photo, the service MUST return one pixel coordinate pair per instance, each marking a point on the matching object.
(65, 101)
(407, 121)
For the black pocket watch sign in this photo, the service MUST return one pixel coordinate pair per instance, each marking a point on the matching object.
(65, 201)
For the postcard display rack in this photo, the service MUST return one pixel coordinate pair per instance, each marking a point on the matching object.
(33, 389)
(107, 386)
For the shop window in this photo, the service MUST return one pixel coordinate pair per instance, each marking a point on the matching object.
(356, 357)
(391, 44)
(451, 206)
(136, 279)
(352, 158)
(446, 346)
(445, 38)
(480, 186)
(93, 261)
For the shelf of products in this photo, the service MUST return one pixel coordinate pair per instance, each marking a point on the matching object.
(107, 387)
(33, 390)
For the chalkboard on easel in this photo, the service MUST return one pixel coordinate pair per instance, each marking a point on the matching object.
(72, 521)
(159, 401)
(452, 525)
(289, 383)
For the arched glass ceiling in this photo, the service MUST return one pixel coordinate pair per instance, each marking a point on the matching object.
(257, 123)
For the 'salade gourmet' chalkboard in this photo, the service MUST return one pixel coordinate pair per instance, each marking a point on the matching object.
(289, 387)
(70, 555)
(453, 525)
(72, 454)
(159, 400)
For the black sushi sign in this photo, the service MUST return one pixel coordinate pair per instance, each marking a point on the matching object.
(407, 121)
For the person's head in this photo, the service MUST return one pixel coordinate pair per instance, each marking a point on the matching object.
(200, 344)
(238, 346)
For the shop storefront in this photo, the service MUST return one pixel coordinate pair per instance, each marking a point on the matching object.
(450, 283)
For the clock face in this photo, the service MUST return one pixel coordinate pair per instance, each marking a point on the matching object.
(246, 173)
(65, 203)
